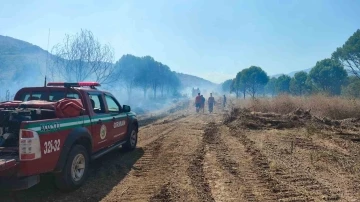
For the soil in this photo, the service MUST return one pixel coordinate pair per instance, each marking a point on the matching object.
(229, 155)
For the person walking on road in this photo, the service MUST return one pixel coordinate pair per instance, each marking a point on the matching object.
(224, 101)
(203, 103)
(211, 102)
(198, 101)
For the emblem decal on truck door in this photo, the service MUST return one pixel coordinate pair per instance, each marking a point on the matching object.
(103, 132)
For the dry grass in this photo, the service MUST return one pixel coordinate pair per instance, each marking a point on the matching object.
(320, 105)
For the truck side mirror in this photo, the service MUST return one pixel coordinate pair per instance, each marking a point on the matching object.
(126, 108)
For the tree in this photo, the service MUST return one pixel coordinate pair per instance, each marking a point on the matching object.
(127, 70)
(82, 57)
(352, 88)
(156, 75)
(240, 84)
(283, 84)
(233, 87)
(298, 83)
(226, 85)
(237, 86)
(142, 80)
(253, 79)
(328, 75)
(165, 80)
(144, 73)
(271, 86)
(173, 83)
(349, 54)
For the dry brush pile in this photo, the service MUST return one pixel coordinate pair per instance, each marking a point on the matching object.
(319, 105)
(341, 119)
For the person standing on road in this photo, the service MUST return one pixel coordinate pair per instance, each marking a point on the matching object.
(224, 101)
(211, 102)
(198, 102)
(203, 103)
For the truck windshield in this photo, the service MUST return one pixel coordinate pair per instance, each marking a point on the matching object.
(51, 96)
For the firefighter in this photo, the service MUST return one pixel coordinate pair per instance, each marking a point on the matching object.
(198, 102)
(224, 101)
(211, 102)
(203, 103)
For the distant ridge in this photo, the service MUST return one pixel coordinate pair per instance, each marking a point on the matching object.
(191, 81)
(11, 46)
(23, 64)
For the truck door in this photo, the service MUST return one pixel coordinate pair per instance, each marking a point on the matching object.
(101, 122)
(118, 118)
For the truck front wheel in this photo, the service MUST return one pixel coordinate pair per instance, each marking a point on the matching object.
(75, 170)
(131, 139)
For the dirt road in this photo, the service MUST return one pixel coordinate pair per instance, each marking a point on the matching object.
(204, 157)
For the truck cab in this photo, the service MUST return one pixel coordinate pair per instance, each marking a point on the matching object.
(61, 127)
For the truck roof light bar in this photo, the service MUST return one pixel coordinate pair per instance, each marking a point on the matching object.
(78, 84)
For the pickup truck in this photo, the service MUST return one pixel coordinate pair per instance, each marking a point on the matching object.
(35, 139)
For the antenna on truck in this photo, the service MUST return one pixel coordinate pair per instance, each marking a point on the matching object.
(47, 56)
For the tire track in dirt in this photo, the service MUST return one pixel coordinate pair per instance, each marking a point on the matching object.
(225, 180)
(307, 184)
(197, 174)
(163, 196)
(167, 193)
(240, 168)
(281, 191)
(212, 138)
(152, 151)
(299, 178)
(287, 186)
(159, 174)
(147, 153)
(180, 149)
(149, 135)
(144, 167)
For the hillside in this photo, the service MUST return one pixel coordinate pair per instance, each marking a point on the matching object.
(12, 46)
(291, 74)
(21, 64)
(189, 81)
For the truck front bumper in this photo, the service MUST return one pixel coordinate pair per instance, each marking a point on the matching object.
(18, 183)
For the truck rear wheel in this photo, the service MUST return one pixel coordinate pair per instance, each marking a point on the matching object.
(75, 170)
(131, 139)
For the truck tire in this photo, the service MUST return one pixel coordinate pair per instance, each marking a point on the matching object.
(75, 170)
(131, 140)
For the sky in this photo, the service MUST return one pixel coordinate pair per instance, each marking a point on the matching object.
(206, 38)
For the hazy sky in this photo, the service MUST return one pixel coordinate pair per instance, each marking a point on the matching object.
(210, 39)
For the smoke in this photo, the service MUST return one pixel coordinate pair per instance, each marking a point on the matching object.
(23, 77)
(141, 104)
(33, 75)
(205, 90)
